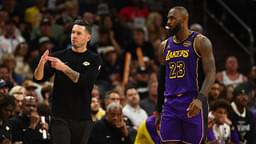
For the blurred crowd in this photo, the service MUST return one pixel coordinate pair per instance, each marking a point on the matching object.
(124, 32)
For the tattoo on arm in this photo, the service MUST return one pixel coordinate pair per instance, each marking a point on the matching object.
(161, 51)
(205, 49)
(73, 75)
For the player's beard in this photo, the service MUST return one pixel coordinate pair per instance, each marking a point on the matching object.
(175, 30)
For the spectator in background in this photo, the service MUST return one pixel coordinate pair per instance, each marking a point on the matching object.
(7, 106)
(46, 92)
(141, 79)
(4, 88)
(19, 93)
(197, 28)
(33, 14)
(110, 74)
(91, 18)
(10, 61)
(252, 74)
(44, 30)
(112, 129)
(96, 111)
(227, 93)
(241, 117)
(214, 93)
(10, 38)
(156, 32)
(3, 17)
(32, 89)
(48, 27)
(96, 92)
(134, 15)
(132, 109)
(231, 76)
(149, 103)
(21, 54)
(6, 75)
(13, 9)
(106, 40)
(139, 41)
(27, 126)
(220, 128)
(112, 96)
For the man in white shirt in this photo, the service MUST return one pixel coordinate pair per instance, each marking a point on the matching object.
(132, 109)
(10, 38)
(231, 76)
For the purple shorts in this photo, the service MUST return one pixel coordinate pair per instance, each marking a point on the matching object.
(176, 126)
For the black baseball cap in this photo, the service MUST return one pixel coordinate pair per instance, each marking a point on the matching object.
(242, 89)
(3, 84)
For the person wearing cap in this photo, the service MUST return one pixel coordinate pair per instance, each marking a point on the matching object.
(75, 71)
(241, 117)
(4, 89)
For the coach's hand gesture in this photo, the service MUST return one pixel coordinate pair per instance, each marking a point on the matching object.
(194, 108)
(44, 57)
(57, 63)
(39, 71)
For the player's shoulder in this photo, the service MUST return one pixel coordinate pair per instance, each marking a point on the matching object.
(201, 37)
(202, 41)
(92, 53)
(94, 57)
(164, 42)
(163, 45)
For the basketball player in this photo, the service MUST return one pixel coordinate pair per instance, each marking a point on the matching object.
(180, 100)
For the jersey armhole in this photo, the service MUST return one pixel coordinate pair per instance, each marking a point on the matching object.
(165, 46)
(198, 36)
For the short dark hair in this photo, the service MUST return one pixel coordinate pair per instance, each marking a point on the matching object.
(6, 100)
(221, 103)
(242, 88)
(129, 86)
(86, 24)
(110, 92)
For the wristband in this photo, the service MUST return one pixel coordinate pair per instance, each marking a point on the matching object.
(201, 97)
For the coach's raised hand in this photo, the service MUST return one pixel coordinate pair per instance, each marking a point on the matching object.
(39, 71)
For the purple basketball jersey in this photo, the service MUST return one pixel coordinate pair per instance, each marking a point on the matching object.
(181, 66)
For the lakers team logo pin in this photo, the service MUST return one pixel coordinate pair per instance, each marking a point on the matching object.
(86, 63)
(187, 44)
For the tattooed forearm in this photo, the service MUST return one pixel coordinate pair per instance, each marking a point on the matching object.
(208, 61)
(73, 75)
(210, 71)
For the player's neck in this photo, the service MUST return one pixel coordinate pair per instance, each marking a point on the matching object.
(182, 35)
(80, 49)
